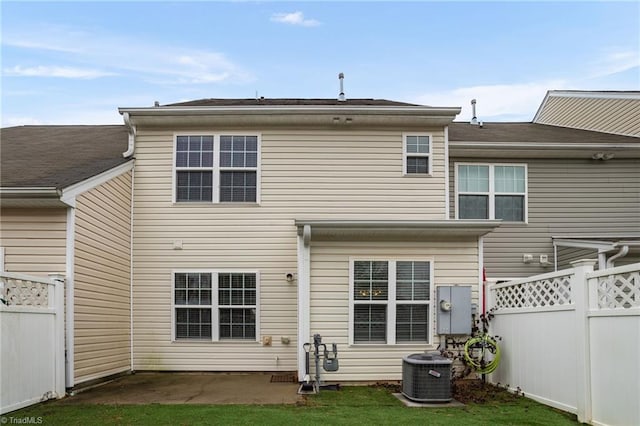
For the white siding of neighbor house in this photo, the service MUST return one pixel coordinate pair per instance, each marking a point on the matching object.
(454, 263)
(304, 175)
(566, 198)
(611, 115)
(34, 240)
(102, 280)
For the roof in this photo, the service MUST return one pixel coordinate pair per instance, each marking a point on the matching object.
(290, 102)
(58, 156)
(530, 132)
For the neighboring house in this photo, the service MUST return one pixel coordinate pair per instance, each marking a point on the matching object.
(616, 112)
(65, 193)
(259, 223)
(249, 225)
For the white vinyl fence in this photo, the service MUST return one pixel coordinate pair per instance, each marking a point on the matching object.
(31, 340)
(571, 340)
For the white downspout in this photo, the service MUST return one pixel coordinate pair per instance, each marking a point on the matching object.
(132, 135)
(133, 169)
(69, 296)
(446, 173)
(622, 253)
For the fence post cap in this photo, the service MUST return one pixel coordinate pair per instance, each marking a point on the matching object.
(57, 277)
(583, 262)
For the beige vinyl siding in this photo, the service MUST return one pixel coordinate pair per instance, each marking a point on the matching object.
(454, 262)
(566, 198)
(620, 116)
(102, 280)
(304, 175)
(34, 240)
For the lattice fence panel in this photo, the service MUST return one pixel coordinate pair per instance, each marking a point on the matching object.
(17, 292)
(535, 294)
(620, 291)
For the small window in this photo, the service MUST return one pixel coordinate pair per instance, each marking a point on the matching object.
(417, 154)
(199, 315)
(391, 301)
(217, 168)
(486, 191)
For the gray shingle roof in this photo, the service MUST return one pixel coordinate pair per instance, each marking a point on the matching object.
(58, 156)
(290, 102)
(529, 132)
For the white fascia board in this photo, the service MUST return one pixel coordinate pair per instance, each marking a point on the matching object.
(594, 94)
(30, 192)
(541, 145)
(287, 109)
(459, 224)
(70, 193)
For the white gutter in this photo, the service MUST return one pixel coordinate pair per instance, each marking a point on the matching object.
(30, 192)
(623, 252)
(132, 134)
(546, 145)
(432, 224)
(288, 109)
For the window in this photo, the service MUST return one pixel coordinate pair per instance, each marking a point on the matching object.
(217, 168)
(488, 191)
(390, 301)
(215, 305)
(417, 154)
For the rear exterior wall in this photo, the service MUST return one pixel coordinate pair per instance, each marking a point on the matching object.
(304, 175)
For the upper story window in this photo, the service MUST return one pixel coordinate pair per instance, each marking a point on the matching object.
(417, 154)
(217, 168)
(390, 301)
(491, 191)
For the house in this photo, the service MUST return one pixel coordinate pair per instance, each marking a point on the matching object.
(261, 222)
(563, 194)
(65, 199)
(616, 112)
(247, 226)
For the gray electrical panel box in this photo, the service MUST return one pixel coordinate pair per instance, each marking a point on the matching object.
(453, 307)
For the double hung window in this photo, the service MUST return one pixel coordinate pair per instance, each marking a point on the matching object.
(492, 191)
(391, 301)
(217, 168)
(215, 305)
(417, 154)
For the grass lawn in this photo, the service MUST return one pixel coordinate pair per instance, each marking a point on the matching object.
(358, 405)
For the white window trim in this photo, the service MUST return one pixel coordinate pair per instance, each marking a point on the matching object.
(492, 193)
(216, 169)
(406, 154)
(215, 307)
(391, 301)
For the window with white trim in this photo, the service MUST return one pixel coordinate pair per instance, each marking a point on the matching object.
(491, 191)
(391, 301)
(216, 168)
(417, 154)
(215, 305)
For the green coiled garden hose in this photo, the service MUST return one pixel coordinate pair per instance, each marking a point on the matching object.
(484, 343)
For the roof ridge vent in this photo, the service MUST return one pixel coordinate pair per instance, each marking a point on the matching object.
(474, 119)
(341, 96)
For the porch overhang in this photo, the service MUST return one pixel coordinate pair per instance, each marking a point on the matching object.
(394, 229)
(30, 197)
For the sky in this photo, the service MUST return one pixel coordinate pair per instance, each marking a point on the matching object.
(76, 62)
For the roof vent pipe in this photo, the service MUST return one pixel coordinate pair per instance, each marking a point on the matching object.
(474, 119)
(341, 97)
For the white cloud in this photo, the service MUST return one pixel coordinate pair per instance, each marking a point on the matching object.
(54, 71)
(499, 102)
(134, 57)
(294, 18)
(614, 62)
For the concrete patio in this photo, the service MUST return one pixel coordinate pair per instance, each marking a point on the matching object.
(191, 388)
